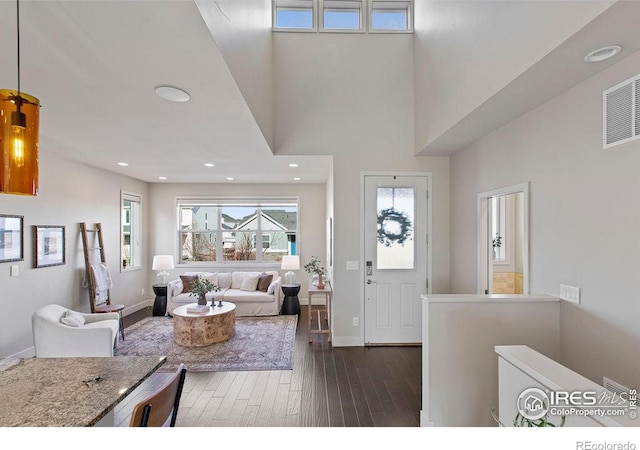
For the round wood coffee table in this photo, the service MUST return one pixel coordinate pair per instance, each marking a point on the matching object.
(202, 329)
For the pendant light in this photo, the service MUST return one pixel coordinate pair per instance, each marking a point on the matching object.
(18, 136)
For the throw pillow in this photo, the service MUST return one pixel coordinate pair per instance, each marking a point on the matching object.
(263, 282)
(224, 280)
(212, 277)
(73, 319)
(236, 279)
(187, 281)
(250, 282)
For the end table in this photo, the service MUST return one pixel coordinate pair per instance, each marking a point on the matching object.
(291, 303)
(160, 303)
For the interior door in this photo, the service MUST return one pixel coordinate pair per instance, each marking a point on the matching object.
(395, 233)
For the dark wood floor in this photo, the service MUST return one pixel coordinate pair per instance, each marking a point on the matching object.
(328, 387)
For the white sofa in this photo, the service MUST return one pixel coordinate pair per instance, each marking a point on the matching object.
(90, 334)
(248, 303)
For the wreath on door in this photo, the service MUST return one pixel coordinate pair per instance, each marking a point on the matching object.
(393, 227)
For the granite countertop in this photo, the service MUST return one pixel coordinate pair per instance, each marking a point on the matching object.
(68, 392)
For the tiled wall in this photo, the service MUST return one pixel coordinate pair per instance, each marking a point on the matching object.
(507, 283)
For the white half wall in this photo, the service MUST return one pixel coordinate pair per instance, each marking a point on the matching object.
(584, 220)
(70, 193)
(459, 364)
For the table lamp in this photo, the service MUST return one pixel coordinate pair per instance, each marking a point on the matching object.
(290, 263)
(163, 263)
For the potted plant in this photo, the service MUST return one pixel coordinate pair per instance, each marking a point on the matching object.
(200, 288)
(522, 421)
(314, 266)
(497, 243)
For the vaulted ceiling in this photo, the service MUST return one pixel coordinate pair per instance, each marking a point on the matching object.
(94, 66)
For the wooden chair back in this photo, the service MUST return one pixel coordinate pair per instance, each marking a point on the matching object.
(155, 410)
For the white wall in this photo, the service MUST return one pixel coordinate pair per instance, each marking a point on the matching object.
(459, 364)
(353, 99)
(242, 32)
(466, 51)
(70, 193)
(311, 226)
(584, 220)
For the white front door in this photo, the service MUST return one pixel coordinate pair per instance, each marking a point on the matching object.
(395, 235)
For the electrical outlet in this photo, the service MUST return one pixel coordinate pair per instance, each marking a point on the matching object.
(570, 293)
(356, 322)
(142, 292)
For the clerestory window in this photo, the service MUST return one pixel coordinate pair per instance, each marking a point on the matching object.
(373, 16)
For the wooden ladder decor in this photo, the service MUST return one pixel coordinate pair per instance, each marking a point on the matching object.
(107, 306)
(88, 251)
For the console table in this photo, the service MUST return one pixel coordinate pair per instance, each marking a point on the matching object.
(327, 293)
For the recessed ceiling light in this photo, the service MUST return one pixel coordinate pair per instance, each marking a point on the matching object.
(293, 165)
(296, 179)
(123, 164)
(172, 94)
(603, 53)
(230, 178)
(162, 178)
(209, 165)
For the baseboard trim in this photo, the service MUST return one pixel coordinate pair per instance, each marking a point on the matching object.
(424, 420)
(137, 307)
(317, 300)
(346, 341)
(26, 353)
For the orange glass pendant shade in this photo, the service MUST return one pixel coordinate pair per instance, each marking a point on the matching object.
(18, 143)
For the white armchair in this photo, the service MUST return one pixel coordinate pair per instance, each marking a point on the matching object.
(87, 334)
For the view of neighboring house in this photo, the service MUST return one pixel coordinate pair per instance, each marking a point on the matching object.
(269, 232)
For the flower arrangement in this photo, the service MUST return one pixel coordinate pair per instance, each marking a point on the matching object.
(497, 241)
(314, 266)
(200, 288)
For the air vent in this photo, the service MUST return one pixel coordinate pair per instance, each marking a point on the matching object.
(637, 87)
(621, 111)
(616, 388)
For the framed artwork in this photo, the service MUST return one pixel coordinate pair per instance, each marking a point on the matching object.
(48, 245)
(11, 238)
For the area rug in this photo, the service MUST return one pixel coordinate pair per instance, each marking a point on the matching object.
(260, 343)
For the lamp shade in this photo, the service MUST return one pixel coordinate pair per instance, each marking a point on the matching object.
(162, 262)
(290, 262)
(18, 143)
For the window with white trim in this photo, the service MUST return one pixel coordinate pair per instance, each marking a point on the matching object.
(131, 229)
(391, 16)
(341, 15)
(373, 16)
(294, 15)
(256, 231)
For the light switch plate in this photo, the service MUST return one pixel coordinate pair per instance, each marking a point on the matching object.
(352, 265)
(15, 270)
(570, 293)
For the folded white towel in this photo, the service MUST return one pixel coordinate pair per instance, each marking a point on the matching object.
(101, 279)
